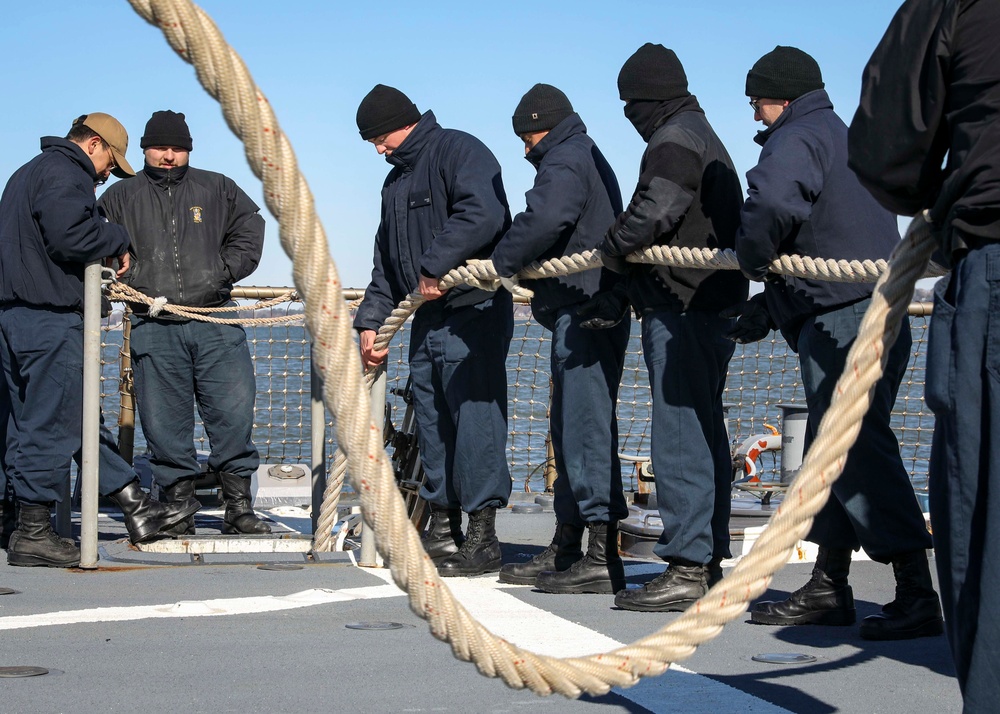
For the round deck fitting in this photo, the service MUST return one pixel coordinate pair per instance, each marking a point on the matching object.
(374, 626)
(526, 508)
(279, 566)
(784, 658)
(12, 672)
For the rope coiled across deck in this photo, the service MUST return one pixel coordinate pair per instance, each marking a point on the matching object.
(194, 37)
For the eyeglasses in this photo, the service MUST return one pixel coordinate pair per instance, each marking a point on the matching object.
(755, 105)
(380, 140)
(111, 156)
(103, 179)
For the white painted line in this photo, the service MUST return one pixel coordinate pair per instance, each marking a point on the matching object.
(542, 632)
(804, 552)
(197, 608)
(485, 598)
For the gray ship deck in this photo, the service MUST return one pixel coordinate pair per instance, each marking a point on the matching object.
(218, 634)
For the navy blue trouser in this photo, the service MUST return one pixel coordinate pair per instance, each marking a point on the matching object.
(963, 390)
(586, 371)
(687, 358)
(458, 376)
(179, 364)
(872, 505)
(4, 416)
(42, 356)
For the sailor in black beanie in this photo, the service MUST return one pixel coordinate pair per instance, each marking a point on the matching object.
(443, 203)
(385, 110)
(574, 200)
(688, 195)
(194, 234)
(803, 199)
(167, 128)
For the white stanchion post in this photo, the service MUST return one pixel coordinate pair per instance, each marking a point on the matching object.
(91, 415)
(369, 555)
(317, 443)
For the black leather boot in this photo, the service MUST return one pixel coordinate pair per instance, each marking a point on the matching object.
(8, 521)
(674, 590)
(601, 570)
(563, 551)
(916, 611)
(180, 492)
(714, 573)
(34, 543)
(239, 516)
(826, 599)
(444, 533)
(480, 553)
(146, 518)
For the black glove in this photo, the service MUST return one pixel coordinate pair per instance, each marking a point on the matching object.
(605, 309)
(754, 323)
(615, 263)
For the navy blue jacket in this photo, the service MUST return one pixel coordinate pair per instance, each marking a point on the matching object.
(442, 204)
(50, 228)
(803, 199)
(573, 202)
(688, 195)
(932, 89)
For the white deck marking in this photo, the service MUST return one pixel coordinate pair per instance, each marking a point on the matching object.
(542, 632)
(193, 608)
(505, 615)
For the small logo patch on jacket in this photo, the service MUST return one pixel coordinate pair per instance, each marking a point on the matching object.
(196, 213)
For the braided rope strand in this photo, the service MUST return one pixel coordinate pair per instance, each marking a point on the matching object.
(194, 37)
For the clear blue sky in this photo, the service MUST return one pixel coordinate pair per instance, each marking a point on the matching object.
(468, 61)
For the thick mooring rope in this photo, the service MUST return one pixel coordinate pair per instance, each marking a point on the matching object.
(193, 35)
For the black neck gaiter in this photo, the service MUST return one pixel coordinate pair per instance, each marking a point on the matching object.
(647, 115)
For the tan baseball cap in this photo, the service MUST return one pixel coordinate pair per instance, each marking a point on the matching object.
(111, 130)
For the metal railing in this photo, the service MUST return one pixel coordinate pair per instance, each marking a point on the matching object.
(290, 422)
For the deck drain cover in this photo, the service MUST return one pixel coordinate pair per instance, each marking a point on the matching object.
(374, 626)
(7, 591)
(545, 500)
(11, 672)
(279, 566)
(526, 508)
(784, 658)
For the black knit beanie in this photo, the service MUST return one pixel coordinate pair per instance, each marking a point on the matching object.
(383, 110)
(166, 128)
(653, 72)
(784, 73)
(541, 109)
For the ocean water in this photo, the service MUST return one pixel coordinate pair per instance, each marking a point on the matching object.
(761, 377)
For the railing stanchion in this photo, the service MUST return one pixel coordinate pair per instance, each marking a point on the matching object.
(91, 415)
(317, 443)
(369, 556)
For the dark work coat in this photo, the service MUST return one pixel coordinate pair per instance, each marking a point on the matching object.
(802, 199)
(574, 200)
(50, 228)
(931, 89)
(442, 204)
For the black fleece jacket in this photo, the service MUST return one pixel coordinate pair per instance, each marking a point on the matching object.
(688, 195)
(194, 233)
(931, 88)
